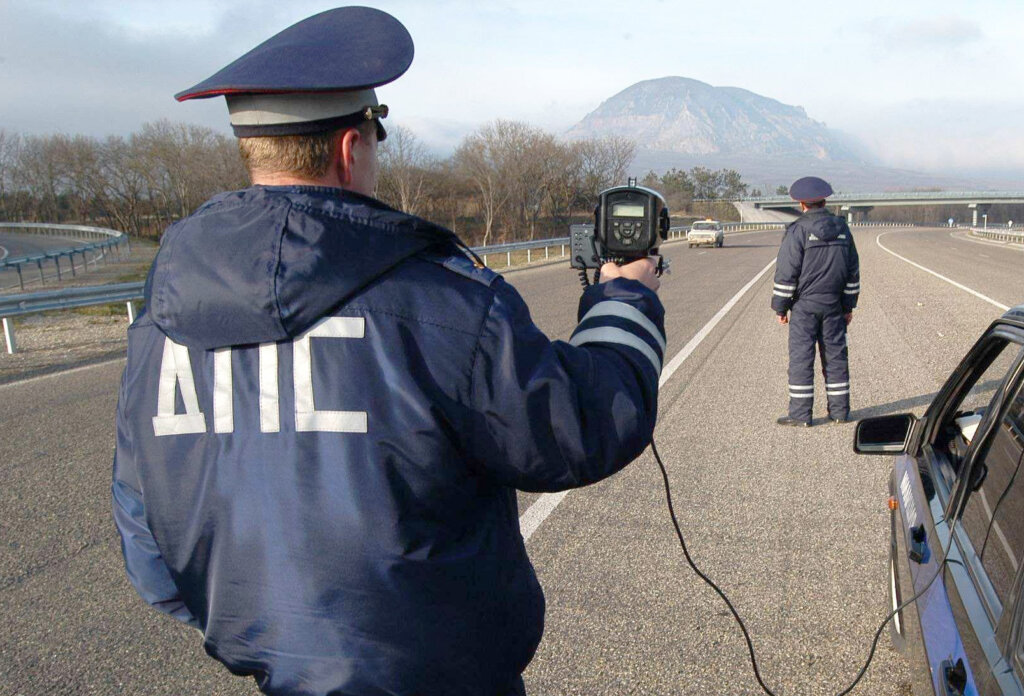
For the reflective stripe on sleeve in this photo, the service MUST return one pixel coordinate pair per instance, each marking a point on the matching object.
(780, 286)
(782, 294)
(613, 334)
(614, 308)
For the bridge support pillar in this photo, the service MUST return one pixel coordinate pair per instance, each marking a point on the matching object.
(857, 213)
(978, 208)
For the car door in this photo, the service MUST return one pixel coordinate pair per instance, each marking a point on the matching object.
(972, 447)
(989, 535)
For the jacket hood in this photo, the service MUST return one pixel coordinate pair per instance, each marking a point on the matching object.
(827, 227)
(265, 263)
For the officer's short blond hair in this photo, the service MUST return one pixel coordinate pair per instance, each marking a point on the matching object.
(306, 156)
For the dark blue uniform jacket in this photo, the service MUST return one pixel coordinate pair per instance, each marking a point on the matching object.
(817, 263)
(325, 413)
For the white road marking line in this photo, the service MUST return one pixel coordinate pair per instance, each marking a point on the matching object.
(986, 242)
(62, 373)
(538, 512)
(531, 520)
(1000, 305)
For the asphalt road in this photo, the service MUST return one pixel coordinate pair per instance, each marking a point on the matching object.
(789, 522)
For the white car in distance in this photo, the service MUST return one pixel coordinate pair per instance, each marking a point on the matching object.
(705, 232)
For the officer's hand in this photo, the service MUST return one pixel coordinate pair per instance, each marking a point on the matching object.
(783, 318)
(849, 317)
(643, 270)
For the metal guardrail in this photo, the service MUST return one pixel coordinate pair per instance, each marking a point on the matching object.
(105, 240)
(32, 303)
(677, 232)
(964, 196)
(19, 305)
(1005, 235)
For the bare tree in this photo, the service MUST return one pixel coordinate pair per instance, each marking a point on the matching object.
(603, 162)
(531, 166)
(186, 164)
(124, 189)
(481, 160)
(9, 146)
(37, 171)
(405, 171)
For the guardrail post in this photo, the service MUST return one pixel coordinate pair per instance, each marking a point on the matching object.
(546, 253)
(42, 279)
(563, 250)
(485, 259)
(508, 259)
(56, 261)
(9, 335)
(71, 260)
(131, 312)
(21, 281)
(528, 255)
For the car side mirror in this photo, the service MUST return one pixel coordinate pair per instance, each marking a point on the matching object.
(884, 434)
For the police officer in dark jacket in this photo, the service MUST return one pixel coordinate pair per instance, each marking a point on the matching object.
(817, 282)
(328, 405)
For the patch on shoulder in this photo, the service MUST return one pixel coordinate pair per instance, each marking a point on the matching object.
(465, 266)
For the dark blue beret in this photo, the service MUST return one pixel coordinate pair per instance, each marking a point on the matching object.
(810, 188)
(313, 76)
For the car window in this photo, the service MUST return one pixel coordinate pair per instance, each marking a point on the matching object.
(993, 515)
(961, 418)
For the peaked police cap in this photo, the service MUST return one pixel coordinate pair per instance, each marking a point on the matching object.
(810, 188)
(315, 76)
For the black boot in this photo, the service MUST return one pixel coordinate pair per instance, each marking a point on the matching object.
(787, 420)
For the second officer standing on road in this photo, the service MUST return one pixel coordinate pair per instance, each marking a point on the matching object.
(817, 283)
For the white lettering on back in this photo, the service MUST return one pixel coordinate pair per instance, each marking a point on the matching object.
(307, 418)
(176, 371)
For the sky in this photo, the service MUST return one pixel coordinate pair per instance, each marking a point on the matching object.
(927, 85)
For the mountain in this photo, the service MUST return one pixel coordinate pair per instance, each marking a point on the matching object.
(677, 114)
(679, 122)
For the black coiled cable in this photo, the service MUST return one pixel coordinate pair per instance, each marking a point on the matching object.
(736, 616)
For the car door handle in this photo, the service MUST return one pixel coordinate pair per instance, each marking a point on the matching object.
(918, 544)
(954, 677)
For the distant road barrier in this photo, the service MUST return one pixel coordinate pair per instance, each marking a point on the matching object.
(1004, 235)
(20, 305)
(95, 240)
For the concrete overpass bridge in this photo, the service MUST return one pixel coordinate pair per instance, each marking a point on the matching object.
(857, 205)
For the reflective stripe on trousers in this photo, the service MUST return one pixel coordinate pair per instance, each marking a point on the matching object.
(809, 326)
